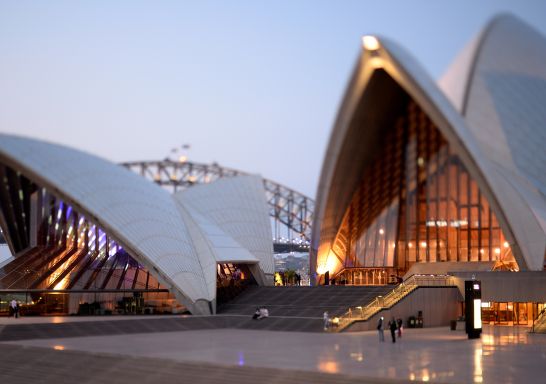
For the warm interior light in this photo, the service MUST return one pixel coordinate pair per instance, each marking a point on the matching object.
(423, 244)
(409, 245)
(506, 245)
(370, 43)
(497, 251)
(477, 313)
(381, 231)
(182, 159)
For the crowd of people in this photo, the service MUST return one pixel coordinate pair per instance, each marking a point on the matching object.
(395, 326)
(286, 278)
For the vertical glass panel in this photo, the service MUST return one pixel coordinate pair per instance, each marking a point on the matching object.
(417, 203)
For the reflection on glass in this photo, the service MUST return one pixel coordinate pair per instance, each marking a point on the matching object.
(417, 195)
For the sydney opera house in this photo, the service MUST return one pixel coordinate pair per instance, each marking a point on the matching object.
(440, 178)
(419, 178)
(86, 232)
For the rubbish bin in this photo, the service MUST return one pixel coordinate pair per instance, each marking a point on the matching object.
(419, 320)
(411, 322)
(453, 325)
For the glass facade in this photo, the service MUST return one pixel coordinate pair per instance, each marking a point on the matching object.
(65, 262)
(511, 313)
(416, 203)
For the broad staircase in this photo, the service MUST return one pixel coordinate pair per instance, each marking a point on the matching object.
(294, 308)
(295, 301)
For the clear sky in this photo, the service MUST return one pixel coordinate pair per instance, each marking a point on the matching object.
(253, 85)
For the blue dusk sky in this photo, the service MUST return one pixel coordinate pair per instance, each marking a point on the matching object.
(252, 85)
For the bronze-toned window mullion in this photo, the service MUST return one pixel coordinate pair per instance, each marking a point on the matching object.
(480, 257)
(80, 256)
(85, 267)
(427, 185)
(439, 179)
(492, 256)
(108, 276)
(469, 213)
(18, 267)
(64, 225)
(56, 266)
(458, 206)
(124, 272)
(401, 154)
(96, 272)
(135, 278)
(366, 222)
(447, 199)
(407, 164)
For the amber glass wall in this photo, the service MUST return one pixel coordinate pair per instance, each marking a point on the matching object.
(417, 203)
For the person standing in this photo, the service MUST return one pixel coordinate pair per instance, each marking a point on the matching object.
(392, 327)
(400, 326)
(14, 308)
(326, 319)
(380, 329)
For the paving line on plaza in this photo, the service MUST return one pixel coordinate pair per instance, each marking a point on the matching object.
(23, 364)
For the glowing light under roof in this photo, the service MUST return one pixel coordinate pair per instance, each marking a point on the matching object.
(370, 43)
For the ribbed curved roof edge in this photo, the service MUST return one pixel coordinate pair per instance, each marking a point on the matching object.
(138, 214)
(504, 98)
(235, 208)
(334, 193)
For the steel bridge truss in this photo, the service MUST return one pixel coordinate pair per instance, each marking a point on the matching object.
(291, 211)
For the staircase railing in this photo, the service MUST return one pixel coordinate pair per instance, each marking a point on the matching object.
(539, 325)
(364, 313)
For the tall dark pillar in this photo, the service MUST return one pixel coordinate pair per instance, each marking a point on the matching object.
(473, 307)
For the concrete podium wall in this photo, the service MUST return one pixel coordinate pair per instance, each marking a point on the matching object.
(526, 286)
(438, 304)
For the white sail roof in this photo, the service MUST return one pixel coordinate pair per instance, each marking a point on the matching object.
(515, 194)
(178, 239)
(504, 105)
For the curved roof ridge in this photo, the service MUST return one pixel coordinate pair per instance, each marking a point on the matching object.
(527, 242)
(138, 214)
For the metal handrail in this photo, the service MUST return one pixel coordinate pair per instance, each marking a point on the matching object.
(539, 325)
(364, 313)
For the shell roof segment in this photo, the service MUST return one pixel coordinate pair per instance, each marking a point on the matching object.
(140, 215)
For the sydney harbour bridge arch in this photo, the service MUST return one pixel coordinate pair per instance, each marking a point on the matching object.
(291, 212)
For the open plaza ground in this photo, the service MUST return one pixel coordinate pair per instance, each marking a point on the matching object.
(502, 354)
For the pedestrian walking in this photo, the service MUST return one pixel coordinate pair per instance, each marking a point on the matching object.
(400, 325)
(392, 327)
(380, 329)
